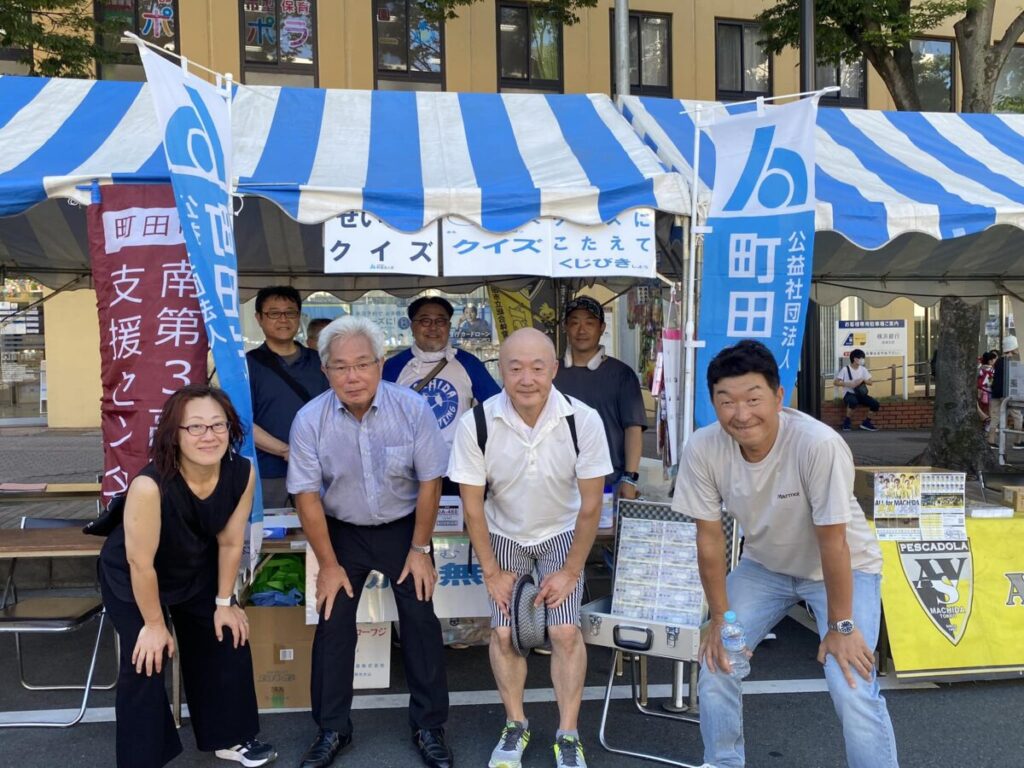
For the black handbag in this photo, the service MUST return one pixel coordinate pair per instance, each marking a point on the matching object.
(109, 518)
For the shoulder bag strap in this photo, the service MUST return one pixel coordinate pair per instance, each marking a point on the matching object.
(571, 421)
(269, 360)
(430, 376)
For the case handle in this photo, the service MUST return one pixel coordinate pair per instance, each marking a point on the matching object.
(632, 645)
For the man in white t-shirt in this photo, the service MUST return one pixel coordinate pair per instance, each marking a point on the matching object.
(788, 481)
(852, 381)
(543, 502)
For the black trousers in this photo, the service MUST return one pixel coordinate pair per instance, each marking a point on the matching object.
(217, 678)
(384, 548)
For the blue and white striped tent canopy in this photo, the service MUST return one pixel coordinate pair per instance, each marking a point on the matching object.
(903, 197)
(498, 160)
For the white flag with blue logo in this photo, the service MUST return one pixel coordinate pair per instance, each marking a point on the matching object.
(196, 128)
(757, 257)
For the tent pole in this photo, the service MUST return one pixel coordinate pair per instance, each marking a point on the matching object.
(689, 342)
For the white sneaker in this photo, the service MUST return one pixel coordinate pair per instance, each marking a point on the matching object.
(511, 745)
(251, 753)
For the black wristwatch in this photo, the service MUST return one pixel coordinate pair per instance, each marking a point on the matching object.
(634, 476)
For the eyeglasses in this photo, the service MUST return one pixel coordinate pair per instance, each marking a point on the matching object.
(198, 430)
(277, 314)
(344, 370)
(436, 322)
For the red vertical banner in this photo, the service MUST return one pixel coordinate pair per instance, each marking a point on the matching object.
(152, 337)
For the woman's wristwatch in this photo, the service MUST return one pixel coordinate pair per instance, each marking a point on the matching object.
(633, 478)
(225, 602)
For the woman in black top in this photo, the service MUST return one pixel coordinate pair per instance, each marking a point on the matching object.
(177, 556)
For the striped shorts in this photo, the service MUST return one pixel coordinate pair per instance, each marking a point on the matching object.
(539, 559)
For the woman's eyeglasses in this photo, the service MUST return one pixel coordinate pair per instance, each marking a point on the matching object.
(198, 430)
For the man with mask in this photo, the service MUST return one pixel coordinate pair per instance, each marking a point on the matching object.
(449, 378)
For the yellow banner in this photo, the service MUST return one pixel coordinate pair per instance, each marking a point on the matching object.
(956, 608)
(513, 310)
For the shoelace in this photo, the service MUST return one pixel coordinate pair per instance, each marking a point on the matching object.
(510, 736)
(252, 745)
(568, 749)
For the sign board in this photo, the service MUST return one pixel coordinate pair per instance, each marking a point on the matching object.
(449, 515)
(460, 591)
(919, 506)
(357, 242)
(624, 246)
(1015, 379)
(878, 338)
(954, 608)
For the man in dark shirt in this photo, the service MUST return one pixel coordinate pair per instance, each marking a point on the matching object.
(283, 377)
(607, 385)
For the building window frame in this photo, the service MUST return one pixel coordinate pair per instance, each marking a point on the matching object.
(410, 75)
(529, 82)
(952, 65)
(860, 101)
(130, 55)
(1018, 47)
(280, 68)
(641, 88)
(722, 94)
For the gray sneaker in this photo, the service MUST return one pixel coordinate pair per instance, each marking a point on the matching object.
(569, 753)
(511, 745)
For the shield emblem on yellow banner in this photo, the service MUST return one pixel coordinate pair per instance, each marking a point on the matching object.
(941, 576)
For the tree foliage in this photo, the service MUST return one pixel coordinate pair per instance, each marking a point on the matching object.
(56, 38)
(559, 11)
(881, 32)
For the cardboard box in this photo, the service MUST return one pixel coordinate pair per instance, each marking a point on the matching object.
(1013, 497)
(864, 479)
(282, 654)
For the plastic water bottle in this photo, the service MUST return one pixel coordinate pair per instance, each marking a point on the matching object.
(735, 641)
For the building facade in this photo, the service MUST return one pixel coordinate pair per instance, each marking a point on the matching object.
(689, 49)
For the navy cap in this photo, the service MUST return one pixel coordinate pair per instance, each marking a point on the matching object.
(591, 305)
(422, 301)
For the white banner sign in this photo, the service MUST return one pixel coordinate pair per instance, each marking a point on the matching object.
(358, 243)
(878, 338)
(625, 246)
(132, 227)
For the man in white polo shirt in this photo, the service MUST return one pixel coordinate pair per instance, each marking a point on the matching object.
(541, 511)
(788, 480)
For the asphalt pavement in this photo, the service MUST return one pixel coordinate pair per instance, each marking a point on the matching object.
(789, 720)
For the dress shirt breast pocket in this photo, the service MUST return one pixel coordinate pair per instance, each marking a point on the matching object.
(398, 461)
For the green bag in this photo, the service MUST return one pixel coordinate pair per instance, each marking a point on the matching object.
(281, 573)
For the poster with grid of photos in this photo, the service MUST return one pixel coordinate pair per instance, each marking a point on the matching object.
(920, 506)
(656, 576)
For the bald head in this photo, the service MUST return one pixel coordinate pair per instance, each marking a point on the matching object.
(528, 366)
(527, 344)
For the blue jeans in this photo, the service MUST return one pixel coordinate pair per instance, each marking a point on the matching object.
(760, 599)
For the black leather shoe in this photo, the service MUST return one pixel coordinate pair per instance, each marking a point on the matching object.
(322, 752)
(433, 748)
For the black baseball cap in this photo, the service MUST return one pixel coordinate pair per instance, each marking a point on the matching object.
(584, 302)
(422, 301)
